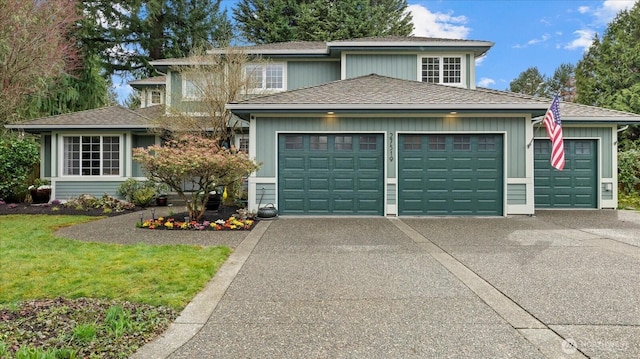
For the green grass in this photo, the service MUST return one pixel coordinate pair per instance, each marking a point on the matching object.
(629, 201)
(34, 264)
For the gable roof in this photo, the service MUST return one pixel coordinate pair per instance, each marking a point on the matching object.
(375, 92)
(113, 117)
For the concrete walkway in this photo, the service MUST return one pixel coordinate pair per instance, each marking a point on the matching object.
(563, 284)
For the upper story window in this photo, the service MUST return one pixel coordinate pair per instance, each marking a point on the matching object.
(91, 155)
(266, 76)
(442, 70)
(192, 86)
(156, 97)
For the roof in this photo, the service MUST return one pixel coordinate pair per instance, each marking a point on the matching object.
(375, 92)
(113, 117)
(577, 112)
(321, 48)
(150, 81)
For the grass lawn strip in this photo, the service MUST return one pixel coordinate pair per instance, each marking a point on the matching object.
(37, 265)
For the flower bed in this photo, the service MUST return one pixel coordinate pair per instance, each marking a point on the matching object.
(169, 223)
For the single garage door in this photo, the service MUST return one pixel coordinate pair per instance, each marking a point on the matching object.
(331, 174)
(450, 175)
(573, 187)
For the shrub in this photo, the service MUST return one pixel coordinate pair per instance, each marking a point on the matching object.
(17, 158)
(629, 171)
(144, 196)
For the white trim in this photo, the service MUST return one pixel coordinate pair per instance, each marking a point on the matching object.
(441, 56)
(343, 65)
(121, 148)
(168, 89)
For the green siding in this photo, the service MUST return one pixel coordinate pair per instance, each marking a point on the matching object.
(66, 190)
(46, 158)
(515, 129)
(265, 193)
(140, 141)
(310, 73)
(176, 88)
(398, 66)
(516, 193)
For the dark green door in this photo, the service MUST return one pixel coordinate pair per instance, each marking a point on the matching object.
(573, 187)
(450, 175)
(331, 174)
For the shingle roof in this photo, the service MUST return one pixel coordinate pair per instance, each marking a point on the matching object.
(376, 90)
(101, 118)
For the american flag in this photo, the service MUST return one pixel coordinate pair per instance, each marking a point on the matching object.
(554, 130)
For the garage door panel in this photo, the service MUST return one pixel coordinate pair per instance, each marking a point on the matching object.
(576, 185)
(343, 174)
(457, 178)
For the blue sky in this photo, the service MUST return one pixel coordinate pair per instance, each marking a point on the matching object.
(526, 33)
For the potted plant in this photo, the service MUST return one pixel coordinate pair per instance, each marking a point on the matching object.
(161, 194)
(40, 191)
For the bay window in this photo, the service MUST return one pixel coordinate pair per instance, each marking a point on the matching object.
(91, 155)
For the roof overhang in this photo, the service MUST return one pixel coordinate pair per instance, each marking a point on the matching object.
(44, 127)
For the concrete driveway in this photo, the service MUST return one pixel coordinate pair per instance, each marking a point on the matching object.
(563, 284)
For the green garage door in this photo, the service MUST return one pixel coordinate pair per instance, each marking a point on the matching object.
(450, 175)
(573, 187)
(330, 174)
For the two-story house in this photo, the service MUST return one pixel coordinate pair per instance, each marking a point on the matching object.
(372, 126)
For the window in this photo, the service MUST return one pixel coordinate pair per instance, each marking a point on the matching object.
(541, 147)
(155, 97)
(243, 145)
(461, 143)
(583, 148)
(266, 77)
(368, 143)
(318, 143)
(486, 143)
(437, 143)
(344, 143)
(412, 143)
(192, 86)
(442, 70)
(91, 156)
(293, 142)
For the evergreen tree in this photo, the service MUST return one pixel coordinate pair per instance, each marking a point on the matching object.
(563, 82)
(267, 21)
(530, 82)
(609, 73)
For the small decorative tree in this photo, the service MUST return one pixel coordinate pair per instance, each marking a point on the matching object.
(195, 160)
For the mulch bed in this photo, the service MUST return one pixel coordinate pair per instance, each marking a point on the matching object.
(26, 208)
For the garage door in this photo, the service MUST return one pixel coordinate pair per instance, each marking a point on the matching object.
(450, 175)
(330, 174)
(576, 185)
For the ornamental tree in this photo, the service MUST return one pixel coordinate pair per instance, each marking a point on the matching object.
(198, 161)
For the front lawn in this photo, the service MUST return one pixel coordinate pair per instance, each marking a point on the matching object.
(35, 265)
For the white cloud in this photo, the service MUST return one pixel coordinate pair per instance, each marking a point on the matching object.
(486, 82)
(441, 25)
(609, 9)
(543, 38)
(480, 60)
(584, 9)
(584, 40)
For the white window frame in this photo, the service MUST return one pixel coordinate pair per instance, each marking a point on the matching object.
(159, 97)
(441, 57)
(63, 158)
(254, 68)
(238, 140)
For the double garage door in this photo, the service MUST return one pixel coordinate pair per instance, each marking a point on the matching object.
(344, 174)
